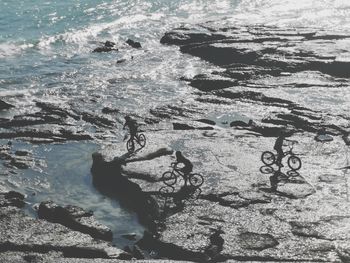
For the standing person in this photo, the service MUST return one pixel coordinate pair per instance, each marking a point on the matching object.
(132, 126)
(188, 166)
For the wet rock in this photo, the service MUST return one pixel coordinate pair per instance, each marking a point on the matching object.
(240, 123)
(11, 198)
(44, 136)
(172, 111)
(185, 37)
(30, 119)
(75, 218)
(184, 126)
(109, 44)
(206, 121)
(22, 233)
(56, 109)
(205, 83)
(97, 120)
(108, 110)
(21, 153)
(133, 43)
(5, 106)
(121, 61)
(256, 241)
(102, 49)
(21, 164)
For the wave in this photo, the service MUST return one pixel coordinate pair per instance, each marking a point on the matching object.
(328, 14)
(9, 49)
(90, 34)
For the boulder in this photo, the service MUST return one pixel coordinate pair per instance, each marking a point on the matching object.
(133, 43)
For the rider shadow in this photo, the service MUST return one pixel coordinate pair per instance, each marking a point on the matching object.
(278, 177)
(174, 202)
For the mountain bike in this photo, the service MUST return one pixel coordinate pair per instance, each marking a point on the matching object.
(139, 138)
(293, 161)
(170, 178)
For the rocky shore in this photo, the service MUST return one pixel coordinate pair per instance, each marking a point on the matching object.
(237, 215)
(259, 73)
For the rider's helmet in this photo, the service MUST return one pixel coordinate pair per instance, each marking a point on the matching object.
(127, 117)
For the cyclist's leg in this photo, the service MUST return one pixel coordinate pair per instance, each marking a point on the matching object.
(186, 172)
(279, 157)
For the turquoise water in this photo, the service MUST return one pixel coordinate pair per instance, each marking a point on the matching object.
(45, 55)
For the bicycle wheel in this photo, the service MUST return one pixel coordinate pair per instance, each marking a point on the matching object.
(169, 178)
(268, 158)
(294, 162)
(130, 145)
(141, 140)
(196, 180)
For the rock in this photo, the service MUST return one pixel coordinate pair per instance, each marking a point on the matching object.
(5, 106)
(21, 153)
(204, 83)
(240, 123)
(44, 136)
(21, 164)
(11, 198)
(108, 110)
(97, 120)
(133, 43)
(109, 44)
(56, 109)
(296, 190)
(75, 218)
(184, 38)
(121, 61)
(22, 233)
(183, 126)
(256, 241)
(206, 121)
(104, 49)
(323, 138)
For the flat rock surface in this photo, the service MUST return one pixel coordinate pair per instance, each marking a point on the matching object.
(22, 233)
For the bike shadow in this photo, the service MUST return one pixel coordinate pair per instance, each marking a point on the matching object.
(269, 169)
(175, 201)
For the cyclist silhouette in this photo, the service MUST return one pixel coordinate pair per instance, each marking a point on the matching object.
(132, 126)
(278, 147)
(188, 166)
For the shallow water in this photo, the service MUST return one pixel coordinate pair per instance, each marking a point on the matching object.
(45, 55)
